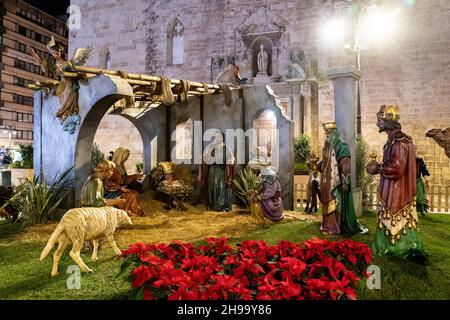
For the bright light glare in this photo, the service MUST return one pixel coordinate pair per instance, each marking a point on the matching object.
(380, 24)
(333, 30)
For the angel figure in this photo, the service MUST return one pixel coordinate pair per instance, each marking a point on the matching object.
(67, 90)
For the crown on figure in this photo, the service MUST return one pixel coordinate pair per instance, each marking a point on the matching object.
(329, 125)
(389, 113)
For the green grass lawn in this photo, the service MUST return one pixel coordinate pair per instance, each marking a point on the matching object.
(23, 276)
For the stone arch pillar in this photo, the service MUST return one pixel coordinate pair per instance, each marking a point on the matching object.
(56, 150)
(261, 99)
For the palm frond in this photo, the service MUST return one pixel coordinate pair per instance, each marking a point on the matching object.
(246, 184)
(36, 201)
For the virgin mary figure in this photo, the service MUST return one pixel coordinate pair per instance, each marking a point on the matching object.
(217, 173)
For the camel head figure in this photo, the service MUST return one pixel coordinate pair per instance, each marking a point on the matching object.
(441, 137)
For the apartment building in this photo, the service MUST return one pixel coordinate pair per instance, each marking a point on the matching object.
(22, 25)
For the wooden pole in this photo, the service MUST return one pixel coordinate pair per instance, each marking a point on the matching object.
(196, 88)
(134, 76)
(140, 82)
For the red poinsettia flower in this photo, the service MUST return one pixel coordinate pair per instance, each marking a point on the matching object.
(184, 293)
(141, 275)
(293, 265)
(148, 295)
(151, 259)
(315, 269)
(135, 249)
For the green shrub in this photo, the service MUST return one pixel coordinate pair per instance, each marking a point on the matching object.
(36, 201)
(246, 184)
(26, 152)
(301, 168)
(302, 148)
(140, 167)
(16, 165)
(363, 180)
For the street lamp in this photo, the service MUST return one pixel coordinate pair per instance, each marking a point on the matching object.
(368, 18)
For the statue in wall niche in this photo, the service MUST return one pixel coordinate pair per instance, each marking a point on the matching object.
(441, 137)
(397, 231)
(336, 195)
(217, 173)
(67, 90)
(263, 60)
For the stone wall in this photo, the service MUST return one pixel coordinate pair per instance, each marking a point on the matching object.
(413, 71)
(115, 25)
(410, 70)
(116, 131)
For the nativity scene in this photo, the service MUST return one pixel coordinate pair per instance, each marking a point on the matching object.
(230, 183)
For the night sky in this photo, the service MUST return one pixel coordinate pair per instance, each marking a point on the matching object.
(52, 7)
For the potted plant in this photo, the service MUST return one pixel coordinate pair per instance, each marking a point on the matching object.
(302, 151)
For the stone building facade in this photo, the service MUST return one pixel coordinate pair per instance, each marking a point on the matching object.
(199, 40)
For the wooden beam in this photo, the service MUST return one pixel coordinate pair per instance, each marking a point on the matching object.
(134, 76)
(197, 91)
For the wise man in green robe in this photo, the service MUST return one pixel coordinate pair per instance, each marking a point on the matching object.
(336, 196)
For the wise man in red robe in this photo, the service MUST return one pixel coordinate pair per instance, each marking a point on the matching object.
(398, 222)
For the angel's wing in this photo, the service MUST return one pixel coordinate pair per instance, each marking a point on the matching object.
(82, 55)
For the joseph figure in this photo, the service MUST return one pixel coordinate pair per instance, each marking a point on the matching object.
(398, 222)
(217, 174)
(336, 196)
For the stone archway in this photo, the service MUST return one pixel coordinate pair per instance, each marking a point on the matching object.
(86, 138)
(57, 151)
(282, 157)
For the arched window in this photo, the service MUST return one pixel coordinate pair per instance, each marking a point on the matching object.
(184, 140)
(264, 137)
(175, 43)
